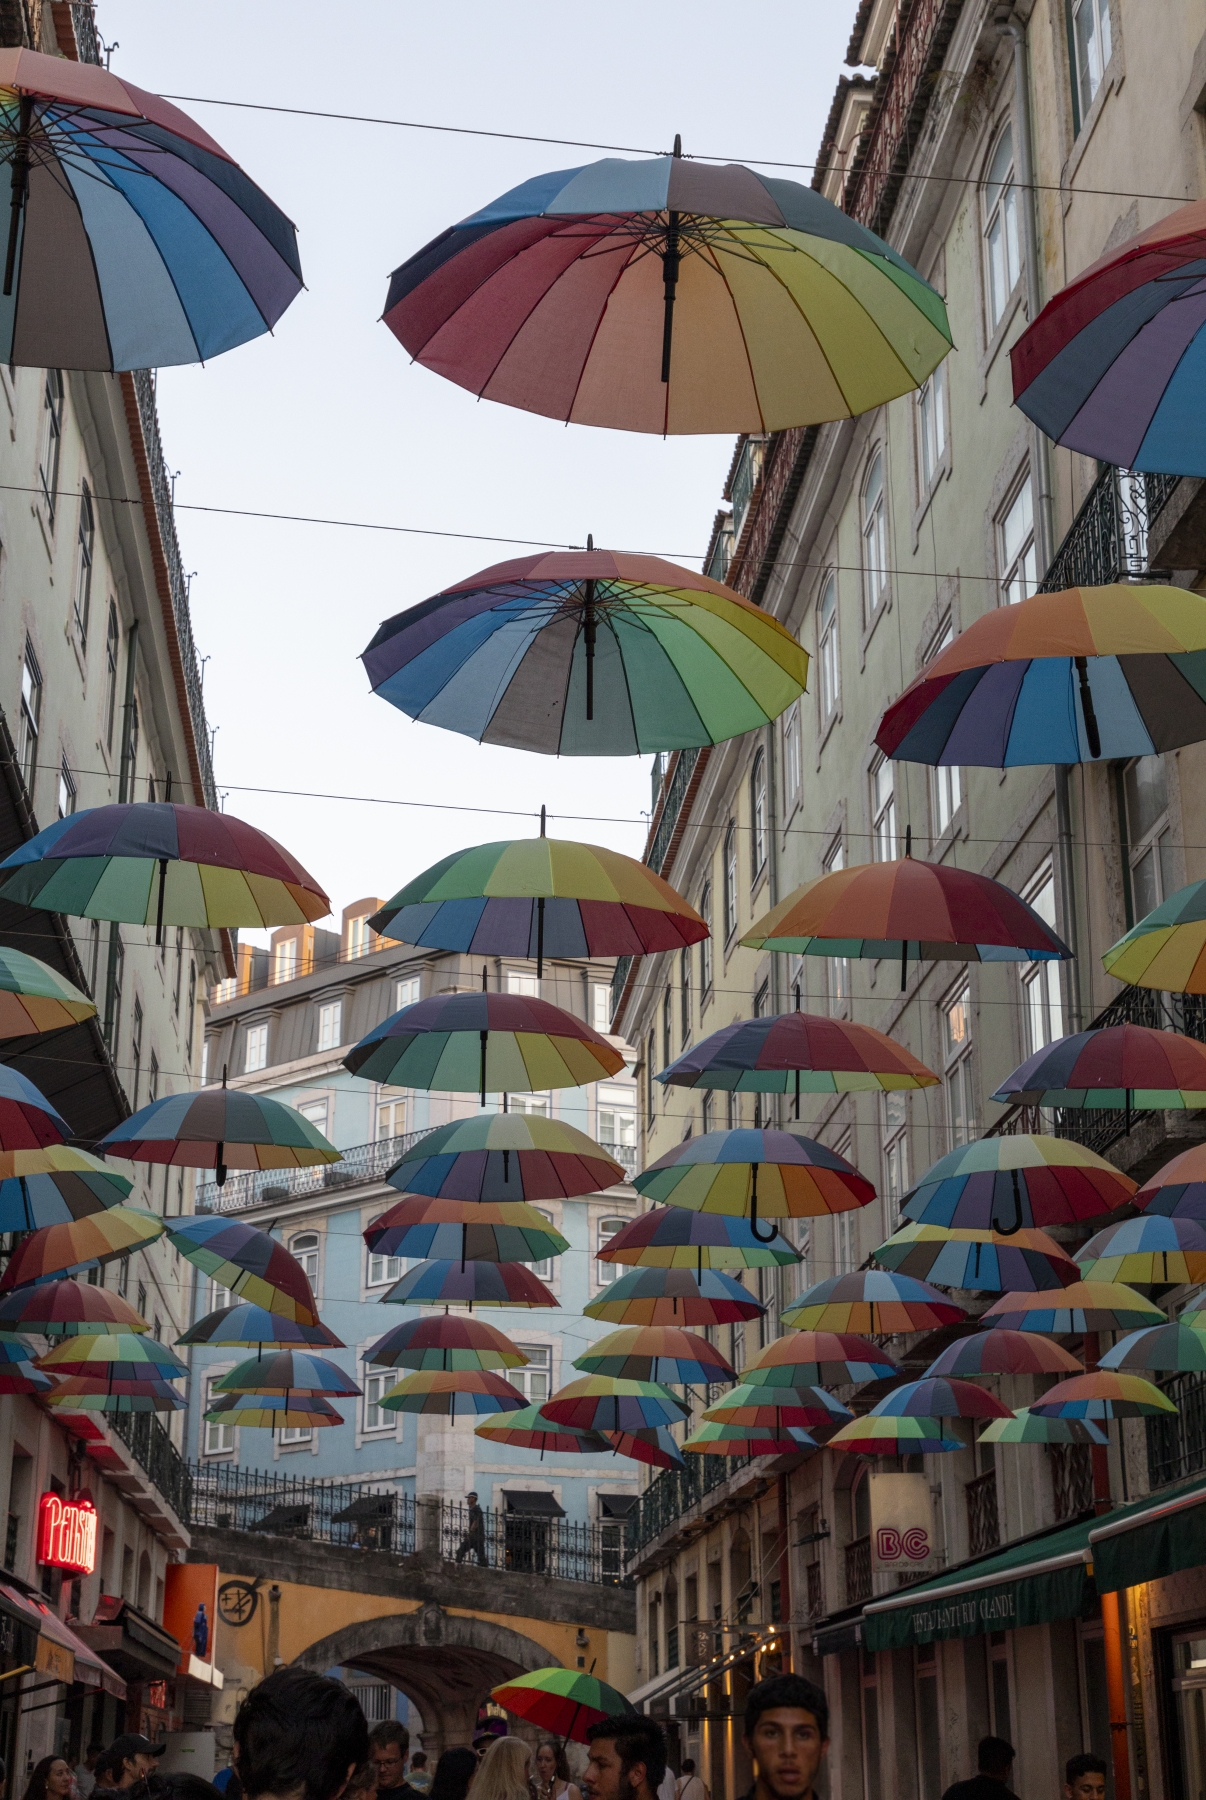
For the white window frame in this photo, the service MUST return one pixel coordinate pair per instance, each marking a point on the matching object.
(1001, 228)
(408, 991)
(958, 1066)
(873, 526)
(393, 1113)
(537, 1371)
(1154, 846)
(837, 968)
(882, 785)
(845, 1235)
(946, 780)
(520, 981)
(284, 961)
(545, 1269)
(53, 406)
(600, 1006)
(730, 881)
(1017, 544)
(1090, 42)
(330, 1025)
(360, 938)
(1042, 1001)
(793, 770)
(67, 795)
(705, 947)
(305, 1246)
(759, 834)
(605, 1229)
(374, 1422)
(217, 1439)
(86, 546)
(316, 1112)
(30, 719)
(255, 1049)
(932, 429)
(894, 1121)
(829, 661)
(383, 1271)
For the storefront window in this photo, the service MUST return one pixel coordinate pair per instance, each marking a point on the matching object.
(1189, 1701)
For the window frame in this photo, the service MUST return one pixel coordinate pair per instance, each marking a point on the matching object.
(759, 817)
(259, 1032)
(68, 794)
(829, 657)
(1018, 569)
(212, 1428)
(931, 414)
(1082, 103)
(730, 882)
(301, 1248)
(607, 1272)
(958, 1065)
(791, 740)
(380, 1380)
(54, 399)
(837, 968)
(330, 1026)
(873, 538)
(1004, 207)
(705, 946)
(884, 836)
(1154, 843)
(86, 549)
(30, 716)
(112, 646)
(383, 1278)
(407, 981)
(1042, 993)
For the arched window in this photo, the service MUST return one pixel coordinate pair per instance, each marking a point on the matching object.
(305, 1248)
(758, 817)
(1002, 252)
(875, 538)
(827, 650)
(608, 1271)
(730, 881)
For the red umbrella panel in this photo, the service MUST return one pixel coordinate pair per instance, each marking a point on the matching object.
(1115, 1067)
(1179, 1188)
(655, 1447)
(446, 1341)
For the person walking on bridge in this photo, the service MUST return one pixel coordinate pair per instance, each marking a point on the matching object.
(474, 1540)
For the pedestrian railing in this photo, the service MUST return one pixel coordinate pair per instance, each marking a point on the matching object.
(526, 1544)
(366, 1162)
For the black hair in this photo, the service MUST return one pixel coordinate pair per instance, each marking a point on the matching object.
(419, 1760)
(561, 1769)
(298, 1733)
(688, 1766)
(175, 1786)
(389, 1731)
(454, 1771)
(637, 1740)
(994, 1755)
(786, 1690)
(1084, 1764)
(37, 1781)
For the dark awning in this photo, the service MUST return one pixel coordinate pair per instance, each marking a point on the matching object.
(368, 1509)
(831, 1640)
(130, 1642)
(618, 1506)
(283, 1518)
(536, 1506)
(1152, 1537)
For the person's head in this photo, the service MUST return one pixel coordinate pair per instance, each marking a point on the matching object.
(786, 1734)
(419, 1760)
(688, 1766)
(503, 1771)
(93, 1751)
(471, 1497)
(51, 1780)
(388, 1745)
(298, 1736)
(130, 1757)
(453, 1773)
(627, 1758)
(994, 1756)
(550, 1763)
(1085, 1777)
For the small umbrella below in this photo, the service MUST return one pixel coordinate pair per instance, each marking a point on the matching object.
(445, 1342)
(128, 1356)
(655, 1446)
(529, 1429)
(750, 1171)
(473, 1230)
(940, 1397)
(1002, 1183)
(456, 1393)
(445, 1283)
(100, 1238)
(1023, 1261)
(674, 1237)
(1115, 1067)
(713, 1439)
(246, 1261)
(674, 1297)
(1084, 1306)
(287, 1372)
(505, 1157)
(880, 1435)
(1150, 1251)
(54, 1185)
(253, 1327)
(871, 1300)
(798, 1053)
(1103, 1394)
(818, 1359)
(1166, 950)
(89, 1393)
(1026, 1427)
(1169, 1349)
(68, 1309)
(656, 1353)
(1005, 1353)
(274, 1412)
(565, 1701)
(36, 998)
(769, 1408)
(606, 1403)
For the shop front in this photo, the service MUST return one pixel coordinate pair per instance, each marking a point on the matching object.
(58, 1683)
(145, 1656)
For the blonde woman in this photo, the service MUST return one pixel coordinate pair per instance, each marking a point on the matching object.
(503, 1771)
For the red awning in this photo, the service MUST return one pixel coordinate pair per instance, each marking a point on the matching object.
(90, 1670)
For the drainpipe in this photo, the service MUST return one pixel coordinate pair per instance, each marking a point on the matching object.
(125, 786)
(772, 877)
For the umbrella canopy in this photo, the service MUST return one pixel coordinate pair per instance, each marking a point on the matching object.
(1151, 1251)
(800, 1053)
(528, 1429)
(1178, 1190)
(474, 1230)
(1083, 675)
(168, 251)
(562, 1700)
(287, 1372)
(655, 1447)
(252, 1327)
(1168, 1348)
(588, 653)
(1026, 1427)
(605, 1403)
(68, 1309)
(671, 1237)
(14, 1348)
(540, 897)
(1004, 1353)
(100, 1238)
(125, 1355)
(23, 1377)
(488, 1043)
(115, 1394)
(27, 1119)
(247, 1262)
(151, 862)
(54, 1185)
(770, 1408)
(872, 1300)
(505, 1156)
(274, 1412)
(444, 1342)
(663, 1353)
(1167, 948)
(713, 1439)
(1102, 1394)
(1115, 1067)
(667, 295)
(1084, 1306)
(984, 1261)
(780, 1174)
(442, 1283)
(940, 1397)
(1110, 366)
(1003, 1182)
(35, 997)
(674, 1297)
(220, 1128)
(878, 1434)
(817, 1359)
(457, 1393)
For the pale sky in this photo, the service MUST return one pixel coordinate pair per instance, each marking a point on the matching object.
(328, 416)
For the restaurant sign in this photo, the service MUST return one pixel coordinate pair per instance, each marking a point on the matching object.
(67, 1533)
(1036, 1599)
(902, 1527)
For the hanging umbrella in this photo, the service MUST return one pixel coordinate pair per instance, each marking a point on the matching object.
(102, 1237)
(1085, 1306)
(540, 897)
(674, 1297)
(134, 240)
(35, 997)
(1167, 948)
(287, 1372)
(1026, 1427)
(220, 1128)
(1171, 1349)
(453, 1392)
(769, 1408)
(671, 1237)
(714, 1439)
(1111, 364)
(55, 1185)
(655, 1447)
(1116, 1067)
(1083, 675)
(252, 1327)
(91, 1393)
(878, 1434)
(780, 1174)
(245, 1261)
(605, 1403)
(489, 1043)
(444, 1342)
(1004, 1353)
(68, 1309)
(872, 1300)
(1005, 1182)
(1178, 1190)
(983, 1261)
(798, 1053)
(1102, 1394)
(1151, 1251)
(126, 1355)
(274, 1412)
(566, 1701)
(505, 1156)
(23, 1377)
(588, 653)
(818, 1359)
(151, 862)
(473, 1230)
(14, 1348)
(27, 1119)
(528, 1429)
(940, 1397)
(664, 1353)
(666, 295)
(444, 1283)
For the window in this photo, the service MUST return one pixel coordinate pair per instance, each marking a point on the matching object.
(219, 1437)
(83, 574)
(883, 810)
(875, 539)
(1019, 558)
(119, 980)
(153, 1079)
(305, 1249)
(837, 968)
(791, 758)
(359, 937)
(706, 1108)
(533, 1379)
(284, 960)
(539, 1106)
(616, 1124)
(667, 1033)
(179, 968)
(845, 1236)
(762, 1001)
(522, 984)
(946, 786)
(830, 686)
(684, 981)
(931, 428)
(896, 1155)
(758, 816)
(136, 1053)
(1148, 836)
(219, 1297)
(406, 992)
(1089, 34)
(330, 1024)
(607, 1272)
(543, 1269)
(140, 1303)
(315, 1111)
(730, 881)
(1002, 255)
(650, 1070)
(65, 804)
(391, 1113)
(192, 1010)
(255, 1049)
(1042, 1008)
(112, 639)
(377, 1382)
(957, 1064)
(295, 1434)
(52, 440)
(705, 948)
(382, 1269)
(600, 1006)
(31, 717)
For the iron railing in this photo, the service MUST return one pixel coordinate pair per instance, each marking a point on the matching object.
(672, 1493)
(904, 92)
(528, 1544)
(1071, 1479)
(365, 1162)
(1176, 1443)
(619, 976)
(983, 1517)
(149, 1444)
(1107, 540)
(858, 1571)
(676, 793)
(627, 1155)
(815, 1589)
(83, 25)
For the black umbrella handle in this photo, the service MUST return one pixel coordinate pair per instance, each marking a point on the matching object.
(670, 267)
(20, 184)
(1086, 706)
(770, 1235)
(1010, 1230)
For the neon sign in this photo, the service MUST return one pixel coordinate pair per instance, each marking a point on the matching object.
(67, 1534)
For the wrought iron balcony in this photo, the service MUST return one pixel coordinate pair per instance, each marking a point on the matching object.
(366, 1162)
(983, 1517)
(673, 1493)
(1107, 540)
(1176, 1443)
(675, 794)
(149, 1443)
(1071, 1479)
(858, 1571)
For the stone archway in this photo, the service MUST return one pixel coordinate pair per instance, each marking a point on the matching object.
(445, 1662)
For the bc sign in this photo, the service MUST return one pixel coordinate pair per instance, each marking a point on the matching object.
(67, 1534)
(901, 1522)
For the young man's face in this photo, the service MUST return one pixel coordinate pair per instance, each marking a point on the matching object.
(787, 1748)
(605, 1778)
(1090, 1786)
(388, 1760)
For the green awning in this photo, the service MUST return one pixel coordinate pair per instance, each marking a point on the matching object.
(1029, 1583)
(1152, 1537)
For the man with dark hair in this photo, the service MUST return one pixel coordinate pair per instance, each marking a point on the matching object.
(474, 1541)
(389, 1744)
(994, 1760)
(298, 1736)
(1085, 1777)
(627, 1758)
(787, 1735)
(127, 1760)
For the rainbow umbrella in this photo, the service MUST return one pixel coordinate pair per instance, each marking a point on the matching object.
(474, 1230)
(247, 1262)
(36, 998)
(655, 1447)
(55, 1185)
(1115, 1067)
(1004, 1353)
(252, 1327)
(1102, 1394)
(68, 1309)
(984, 1261)
(781, 1174)
(1002, 1183)
(126, 1355)
(940, 1397)
(664, 1353)
(528, 1429)
(1167, 948)
(444, 1342)
(274, 1412)
(445, 1283)
(713, 1439)
(674, 1297)
(671, 1237)
(769, 1408)
(89, 1393)
(871, 1300)
(1178, 1190)
(21, 1376)
(667, 295)
(1151, 1251)
(1168, 1348)
(453, 1392)
(800, 1053)
(1026, 1427)
(100, 1238)
(1083, 675)
(220, 1128)
(606, 1403)
(287, 1372)
(817, 1359)
(879, 1434)
(14, 1348)
(505, 1156)
(588, 653)
(1084, 1306)
(1111, 366)
(566, 1701)
(27, 1119)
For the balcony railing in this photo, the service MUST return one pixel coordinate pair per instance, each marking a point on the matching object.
(1107, 540)
(1176, 1444)
(815, 1590)
(983, 1519)
(903, 94)
(1098, 1129)
(676, 793)
(366, 1162)
(627, 1155)
(528, 1545)
(149, 1444)
(858, 1571)
(672, 1494)
(1071, 1479)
